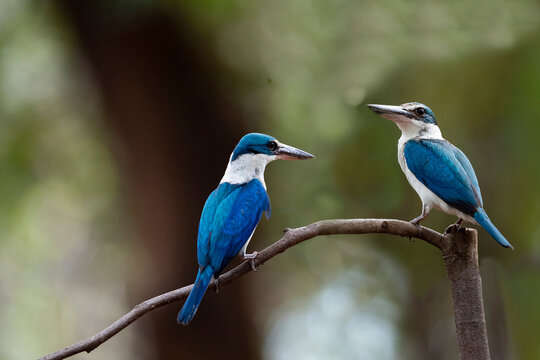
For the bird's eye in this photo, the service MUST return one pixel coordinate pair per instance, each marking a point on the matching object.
(272, 145)
(420, 111)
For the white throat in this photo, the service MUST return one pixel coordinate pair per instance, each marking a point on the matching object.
(418, 129)
(247, 167)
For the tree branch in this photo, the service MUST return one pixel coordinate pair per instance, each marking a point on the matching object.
(461, 263)
(461, 260)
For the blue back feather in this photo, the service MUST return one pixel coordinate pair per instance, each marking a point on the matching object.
(446, 171)
(229, 217)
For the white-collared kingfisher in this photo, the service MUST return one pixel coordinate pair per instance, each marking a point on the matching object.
(233, 210)
(438, 171)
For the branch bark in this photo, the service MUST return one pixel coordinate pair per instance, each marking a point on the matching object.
(460, 255)
(461, 260)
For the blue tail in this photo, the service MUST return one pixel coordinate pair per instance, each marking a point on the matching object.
(481, 217)
(195, 296)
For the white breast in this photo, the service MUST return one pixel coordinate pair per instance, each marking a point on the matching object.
(247, 167)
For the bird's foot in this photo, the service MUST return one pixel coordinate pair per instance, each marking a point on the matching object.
(251, 258)
(416, 223)
(216, 285)
(454, 228)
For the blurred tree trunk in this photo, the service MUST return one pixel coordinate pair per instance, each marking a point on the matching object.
(176, 130)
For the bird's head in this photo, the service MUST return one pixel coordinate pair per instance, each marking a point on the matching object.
(267, 147)
(412, 118)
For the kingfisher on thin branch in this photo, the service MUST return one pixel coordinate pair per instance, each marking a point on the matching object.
(438, 171)
(233, 210)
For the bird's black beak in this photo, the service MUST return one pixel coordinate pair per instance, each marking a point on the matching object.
(286, 152)
(391, 112)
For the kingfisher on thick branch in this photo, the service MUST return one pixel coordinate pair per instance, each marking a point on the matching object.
(438, 171)
(233, 210)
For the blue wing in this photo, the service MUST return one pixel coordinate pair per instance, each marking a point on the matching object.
(446, 171)
(229, 217)
(223, 193)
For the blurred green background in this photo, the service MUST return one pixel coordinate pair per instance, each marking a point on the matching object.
(117, 119)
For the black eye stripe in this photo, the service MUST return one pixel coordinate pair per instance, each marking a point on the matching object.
(272, 145)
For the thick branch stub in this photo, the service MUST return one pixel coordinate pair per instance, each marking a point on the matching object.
(460, 257)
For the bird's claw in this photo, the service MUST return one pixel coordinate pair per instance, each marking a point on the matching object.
(418, 227)
(452, 229)
(251, 258)
(252, 264)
